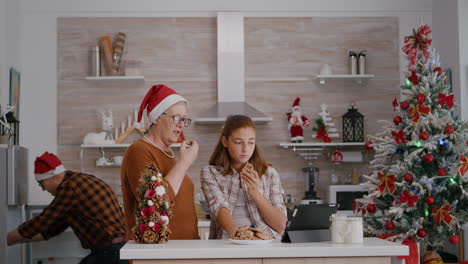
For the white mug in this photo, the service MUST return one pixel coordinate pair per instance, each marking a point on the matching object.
(102, 161)
(326, 70)
(118, 160)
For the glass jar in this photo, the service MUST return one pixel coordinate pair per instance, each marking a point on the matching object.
(133, 67)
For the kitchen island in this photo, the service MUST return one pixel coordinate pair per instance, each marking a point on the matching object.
(373, 250)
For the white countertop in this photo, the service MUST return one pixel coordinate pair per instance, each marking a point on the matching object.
(215, 249)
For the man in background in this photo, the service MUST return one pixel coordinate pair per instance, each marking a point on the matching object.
(83, 202)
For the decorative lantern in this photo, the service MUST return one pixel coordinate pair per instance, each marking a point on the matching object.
(353, 125)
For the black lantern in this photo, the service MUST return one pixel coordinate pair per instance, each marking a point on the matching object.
(353, 126)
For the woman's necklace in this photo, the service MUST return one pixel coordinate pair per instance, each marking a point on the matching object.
(154, 144)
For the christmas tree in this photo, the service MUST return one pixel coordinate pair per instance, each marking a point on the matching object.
(153, 210)
(324, 127)
(417, 190)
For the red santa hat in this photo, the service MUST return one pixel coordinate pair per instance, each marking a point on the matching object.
(296, 102)
(157, 100)
(46, 166)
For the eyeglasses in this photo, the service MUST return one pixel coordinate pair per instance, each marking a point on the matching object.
(177, 119)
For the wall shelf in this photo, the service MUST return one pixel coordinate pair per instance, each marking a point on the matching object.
(108, 146)
(319, 144)
(115, 78)
(358, 77)
(310, 151)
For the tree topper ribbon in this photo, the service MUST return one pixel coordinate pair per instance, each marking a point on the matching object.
(442, 214)
(386, 181)
(419, 109)
(464, 165)
(419, 40)
(445, 100)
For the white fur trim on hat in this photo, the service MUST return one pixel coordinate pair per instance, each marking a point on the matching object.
(164, 105)
(50, 174)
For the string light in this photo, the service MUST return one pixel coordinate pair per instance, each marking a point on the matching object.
(452, 180)
(426, 212)
(408, 82)
(418, 143)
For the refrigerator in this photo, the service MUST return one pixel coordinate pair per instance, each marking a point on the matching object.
(14, 184)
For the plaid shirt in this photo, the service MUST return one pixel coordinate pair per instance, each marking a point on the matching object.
(222, 191)
(86, 204)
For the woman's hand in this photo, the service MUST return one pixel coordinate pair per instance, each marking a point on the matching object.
(251, 180)
(188, 152)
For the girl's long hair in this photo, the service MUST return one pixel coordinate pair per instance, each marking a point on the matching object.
(220, 156)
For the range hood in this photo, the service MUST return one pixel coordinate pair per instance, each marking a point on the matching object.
(231, 80)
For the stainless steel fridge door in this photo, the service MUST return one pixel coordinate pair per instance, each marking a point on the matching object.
(17, 175)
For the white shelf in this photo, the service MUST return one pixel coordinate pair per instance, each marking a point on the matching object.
(115, 78)
(106, 146)
(346, 76)
(176, 145)
(319, 144)
(357, 77)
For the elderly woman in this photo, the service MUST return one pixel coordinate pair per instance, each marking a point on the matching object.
(167, 114)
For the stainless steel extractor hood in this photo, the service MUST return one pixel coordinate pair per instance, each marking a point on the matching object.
(231, 81)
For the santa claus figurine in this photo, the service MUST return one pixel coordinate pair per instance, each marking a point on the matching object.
(297, 122)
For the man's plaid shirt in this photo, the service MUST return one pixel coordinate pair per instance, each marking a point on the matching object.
(86, 204)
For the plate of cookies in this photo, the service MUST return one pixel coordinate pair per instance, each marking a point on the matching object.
(250, 236)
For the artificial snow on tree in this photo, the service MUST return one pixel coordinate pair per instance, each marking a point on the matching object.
(153, 211)
(324, 127)
(417, 190)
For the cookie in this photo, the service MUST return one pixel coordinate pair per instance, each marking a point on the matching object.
(254, 229)
(262, 236)
(248, 166)
(246, 235)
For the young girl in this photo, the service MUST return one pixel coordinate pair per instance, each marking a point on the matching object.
(241, 188)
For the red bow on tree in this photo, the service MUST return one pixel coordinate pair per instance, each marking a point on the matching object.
(408, 198)
(416, 111)
(442, 214)
(464, 165)
(399, 136)
(445, 100)
(387, 181)
(419, 40)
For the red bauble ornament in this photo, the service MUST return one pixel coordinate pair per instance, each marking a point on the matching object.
(368, 145)
(441, 172)
(430, 200)
(337, 157)
(371, 208)
(404, 105)
(453, 239)
(389, 225)
(423, 135)
(397, 120)
(428, 158)
(438, 70)
(408, 177)
(449, 129)
(421, 232)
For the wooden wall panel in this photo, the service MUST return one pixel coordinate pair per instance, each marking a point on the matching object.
(181, 53)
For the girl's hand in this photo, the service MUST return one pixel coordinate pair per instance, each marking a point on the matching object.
(251, 180)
